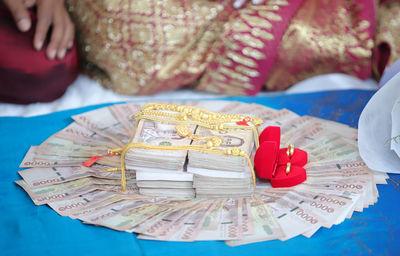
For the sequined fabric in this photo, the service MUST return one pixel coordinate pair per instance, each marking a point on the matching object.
(245, 55)
(325, 37)
(148, 46)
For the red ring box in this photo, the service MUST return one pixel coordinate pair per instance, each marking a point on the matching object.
(270, 162)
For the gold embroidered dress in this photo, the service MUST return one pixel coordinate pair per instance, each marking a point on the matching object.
(148, 46)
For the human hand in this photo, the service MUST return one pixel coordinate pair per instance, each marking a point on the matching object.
(240, 3)
(49, 13)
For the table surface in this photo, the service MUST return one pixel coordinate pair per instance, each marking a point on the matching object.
(27, 229)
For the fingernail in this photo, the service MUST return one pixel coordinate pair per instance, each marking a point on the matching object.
(257, 1)
(237, 4)
(61, 54)
(70, 44)
(52, 54)
(39, 45)
(24, 25)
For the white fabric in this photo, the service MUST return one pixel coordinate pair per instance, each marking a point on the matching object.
(395, 135)
(85, 92)
(375, 129)
(330, 82)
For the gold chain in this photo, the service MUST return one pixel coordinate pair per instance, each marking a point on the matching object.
(197, 116)
(202, 148)
(188, 115)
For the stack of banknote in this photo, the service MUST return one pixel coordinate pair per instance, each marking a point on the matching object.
(160, 172)
(74, 174)
(218, 175)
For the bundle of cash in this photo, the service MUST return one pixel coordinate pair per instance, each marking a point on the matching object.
(190, 196)
(160, 173)
(222, 175)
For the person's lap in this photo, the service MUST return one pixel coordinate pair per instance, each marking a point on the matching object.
(27, 75)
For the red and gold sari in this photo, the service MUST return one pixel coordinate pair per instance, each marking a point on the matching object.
(148, 46)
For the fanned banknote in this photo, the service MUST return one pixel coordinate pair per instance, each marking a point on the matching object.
(188, 195)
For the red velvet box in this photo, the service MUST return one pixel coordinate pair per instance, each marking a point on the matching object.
(272, 163)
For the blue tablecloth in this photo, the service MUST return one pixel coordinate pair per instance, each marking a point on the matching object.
(27, 229)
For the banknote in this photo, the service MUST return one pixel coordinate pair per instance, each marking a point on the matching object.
(103, 122)
(42, 177)
(81, 203)
(184, 195)
(265, 225)
(157, 134)
(81, 135)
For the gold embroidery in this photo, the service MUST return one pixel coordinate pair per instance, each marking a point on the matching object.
(240, 26)
(241, 59)
(359, 51)
(232, 45)
(145, 46)
(139, 7)
(257, 21)
(270, 15)
(249, 40)
(278, 2)
(363, 35)
(263, 34)
(247, 71)
(314, 46)
(241, 85)
(144, 33)
(268, 7)
(369, 43)
(249, 11)
(253, 53)
(116, 37)
(112, 6)
(251, 32)
(234, 75)
(224, 61)
(218, 76)
(363, 25)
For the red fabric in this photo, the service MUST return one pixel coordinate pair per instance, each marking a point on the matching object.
(269, 46)
(299, 157)
(296, 176)
(26, 75)
(265, 159)
(271, 162)
(271, 133)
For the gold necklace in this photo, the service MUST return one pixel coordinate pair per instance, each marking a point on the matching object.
(188, 115)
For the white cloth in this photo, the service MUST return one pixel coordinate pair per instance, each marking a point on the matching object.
(375, 129)
(85, 92)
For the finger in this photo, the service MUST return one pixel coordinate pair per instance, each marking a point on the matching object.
(19, 13)
(56, 36)
(68, 37)
(256, 2)
(29, 3)
(44, 19)
(72, 37)
(71, 30)
(70, 44)
(239, 3)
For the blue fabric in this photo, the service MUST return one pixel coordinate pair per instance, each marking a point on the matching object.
(27, 229)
